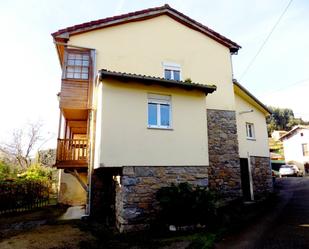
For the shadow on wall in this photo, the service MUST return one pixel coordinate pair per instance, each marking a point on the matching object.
(71, 192)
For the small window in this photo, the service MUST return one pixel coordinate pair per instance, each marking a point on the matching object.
(172, 71)
(77, 66)
(250, 131)
(159, 111)
(305, 149)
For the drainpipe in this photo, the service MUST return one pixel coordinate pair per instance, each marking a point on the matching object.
(250, 177)
(91, 123)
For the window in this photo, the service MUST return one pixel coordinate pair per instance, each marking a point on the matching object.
(305, 149)
(171, 71)
(250, 131)
(77, 66)
(159, 111)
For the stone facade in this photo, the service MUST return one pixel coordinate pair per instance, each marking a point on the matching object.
(224, 165)
(136, 203)
(261, 175)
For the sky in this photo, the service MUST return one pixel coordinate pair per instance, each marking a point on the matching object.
(30, 69)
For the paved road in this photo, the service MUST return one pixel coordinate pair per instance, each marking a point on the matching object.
(285, 227)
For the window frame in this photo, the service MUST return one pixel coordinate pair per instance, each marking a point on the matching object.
(66, 65)
(159, 100)
(251, 127)
(172, 67)
(305, 149)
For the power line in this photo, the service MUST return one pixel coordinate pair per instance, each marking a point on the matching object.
(289, 85)
(265, 41)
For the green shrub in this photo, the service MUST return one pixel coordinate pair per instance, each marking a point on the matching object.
(36, 172)
(184, 204)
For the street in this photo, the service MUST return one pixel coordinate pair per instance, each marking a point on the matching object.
(286, 226)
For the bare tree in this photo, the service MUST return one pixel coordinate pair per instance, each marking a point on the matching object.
(22, 144)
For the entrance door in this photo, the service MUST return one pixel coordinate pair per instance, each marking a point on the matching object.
(245, 179)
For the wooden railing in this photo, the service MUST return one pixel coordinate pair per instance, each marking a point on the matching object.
(72, 150)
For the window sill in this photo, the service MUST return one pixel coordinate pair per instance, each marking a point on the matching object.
(251, 138)
(159, 128)
(74, 79)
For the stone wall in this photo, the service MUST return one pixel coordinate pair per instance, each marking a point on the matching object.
(136, 203)
(224, 165)
(261, 175)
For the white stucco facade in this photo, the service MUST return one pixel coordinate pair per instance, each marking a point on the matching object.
(293, 145)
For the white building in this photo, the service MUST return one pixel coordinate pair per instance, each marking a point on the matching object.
(296, 146)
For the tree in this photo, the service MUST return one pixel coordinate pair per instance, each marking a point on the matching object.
(282, 119)
(22, 144)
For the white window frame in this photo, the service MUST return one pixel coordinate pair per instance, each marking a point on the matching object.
(305, 149)
(173, 67)
(248, 125)
(160, 99)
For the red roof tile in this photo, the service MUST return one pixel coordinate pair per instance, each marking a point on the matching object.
(144, 14)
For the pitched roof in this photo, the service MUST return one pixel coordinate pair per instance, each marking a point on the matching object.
(293, 130)
(142, 15)
(156, 80)
(250, 95)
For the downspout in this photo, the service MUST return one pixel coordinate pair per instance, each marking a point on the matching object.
(250, 177)
(91, 144)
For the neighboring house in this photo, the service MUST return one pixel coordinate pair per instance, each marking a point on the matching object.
(276, 135)
(276, 149)
(296, 147)
(147, 99)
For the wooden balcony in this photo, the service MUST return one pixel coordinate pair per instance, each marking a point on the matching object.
(74, 94)
(72, 153)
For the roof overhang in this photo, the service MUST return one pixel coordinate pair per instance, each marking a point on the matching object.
(150, 80)
(250, 98)
(64, 34)
(292, 131)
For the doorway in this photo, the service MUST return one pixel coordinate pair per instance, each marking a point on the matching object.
(245, 179)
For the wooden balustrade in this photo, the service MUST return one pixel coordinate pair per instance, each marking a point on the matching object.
(72, 152)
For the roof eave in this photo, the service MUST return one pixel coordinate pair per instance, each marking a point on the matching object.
(264, 107)
(148, 80)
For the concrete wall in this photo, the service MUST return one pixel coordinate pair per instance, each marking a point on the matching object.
(70, 190)
(126, 141)
(258, 146)
(292, 146)
(141, 47)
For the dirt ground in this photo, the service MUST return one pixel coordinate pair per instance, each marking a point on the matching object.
(41, 229)
(49, 237)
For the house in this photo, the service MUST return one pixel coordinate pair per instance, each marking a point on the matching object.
(148, 99)
(296, 147)
(276, 135)
(276, 149)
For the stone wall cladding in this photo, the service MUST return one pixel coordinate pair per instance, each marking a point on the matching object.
(261, 175)
(224, 165)
(136, 204)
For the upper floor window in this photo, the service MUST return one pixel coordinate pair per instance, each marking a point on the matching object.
(77, 66)
(159, 111)
(172, 71)
(250, 131)
(305, 148)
